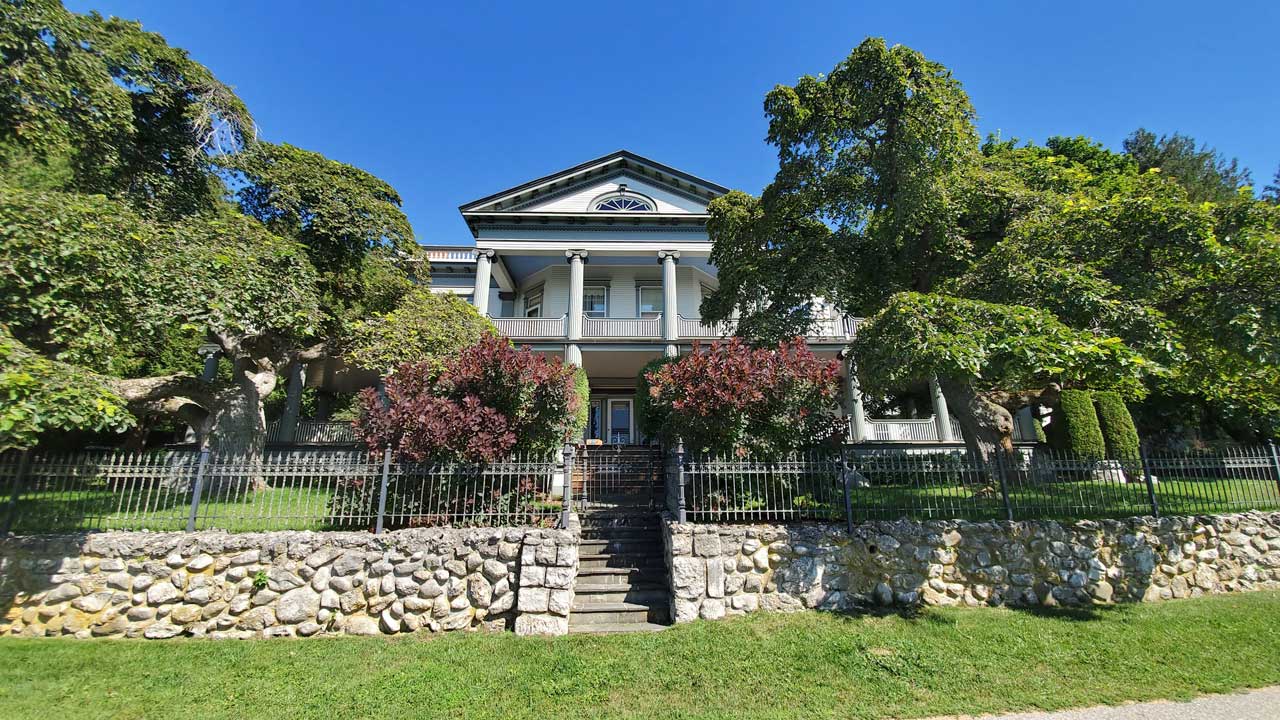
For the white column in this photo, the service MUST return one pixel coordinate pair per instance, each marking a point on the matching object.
(941, 416)
(854, 407)
(480, 297)
(670, 300)
(573, 354)
(576, 259)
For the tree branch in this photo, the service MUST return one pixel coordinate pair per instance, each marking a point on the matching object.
(141, 391)
(1014, 401)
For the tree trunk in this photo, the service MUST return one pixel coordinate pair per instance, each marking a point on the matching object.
(238, 428)
(987, 426)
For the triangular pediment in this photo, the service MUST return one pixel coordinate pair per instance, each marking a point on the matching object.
(640, 183)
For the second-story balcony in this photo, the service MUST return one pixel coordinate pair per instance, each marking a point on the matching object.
(830, 329)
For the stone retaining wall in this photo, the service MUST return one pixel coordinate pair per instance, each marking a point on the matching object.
(719, 570)
(161, 585)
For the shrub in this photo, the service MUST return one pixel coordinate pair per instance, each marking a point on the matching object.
(426, 327)
(581, 388)
(1118, 431)
(649, 417)
(484, 403)
(730, 397)
(1075, 425)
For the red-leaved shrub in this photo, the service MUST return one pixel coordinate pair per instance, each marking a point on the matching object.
(731, 397)
(486, 402)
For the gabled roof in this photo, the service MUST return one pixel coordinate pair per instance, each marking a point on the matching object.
(608, 164)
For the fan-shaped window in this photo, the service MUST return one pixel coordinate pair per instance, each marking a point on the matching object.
(624, 203)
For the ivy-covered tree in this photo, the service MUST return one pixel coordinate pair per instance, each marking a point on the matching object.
(886, 207)
(110, 281)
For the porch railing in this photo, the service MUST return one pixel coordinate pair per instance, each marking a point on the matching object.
(531, 328)
(923, 430)
(695, 328)
(612, 327)
(313, 432)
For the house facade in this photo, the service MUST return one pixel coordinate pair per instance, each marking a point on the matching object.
(605, 264)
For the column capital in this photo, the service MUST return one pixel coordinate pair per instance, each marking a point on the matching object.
(569, 255)
(486, 253)
(664, 255)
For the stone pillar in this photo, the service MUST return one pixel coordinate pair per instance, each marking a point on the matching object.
(941, 416)
(670, 299)
(576, 259)
(292, 401)
(854, 408)
(480, 296)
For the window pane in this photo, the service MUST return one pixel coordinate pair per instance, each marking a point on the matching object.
(650, 301)
(594, 301)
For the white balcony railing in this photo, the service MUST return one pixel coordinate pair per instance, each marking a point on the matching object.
(607, 327)
(531, 328)
(924, 431)
(455, 254)
(694, 328)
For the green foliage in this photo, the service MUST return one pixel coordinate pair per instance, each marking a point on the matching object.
(228, 275)
(71, 276)
(651, 417)
(133, 116)
(861, 205)
(1118, 431)
(1075, 426)
(425, 328)
(997, 346)
(1204, 172)
(582, 411)
(38, 394)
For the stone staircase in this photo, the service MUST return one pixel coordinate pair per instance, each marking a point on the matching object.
(622, 575)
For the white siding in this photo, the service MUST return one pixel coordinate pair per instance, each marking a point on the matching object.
(621, 280)
(688, 291)
(580, 200)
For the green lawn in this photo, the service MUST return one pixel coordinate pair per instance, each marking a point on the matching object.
(764, 666)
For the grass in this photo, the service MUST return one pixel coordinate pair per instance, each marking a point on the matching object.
(943, 661)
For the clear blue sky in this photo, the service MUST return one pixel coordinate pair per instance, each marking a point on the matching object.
(451, 101)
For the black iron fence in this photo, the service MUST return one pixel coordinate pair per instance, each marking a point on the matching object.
(856, 484)
(285, 490)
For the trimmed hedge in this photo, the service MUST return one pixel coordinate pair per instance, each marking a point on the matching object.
(1118, 430)
(649, 418)
(1075, 426)
(582, 388)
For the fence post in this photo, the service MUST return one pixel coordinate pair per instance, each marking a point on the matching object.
(847, 474)
(681, 511)
(567, 479)
(382, 490)
(1275, 461)
(1151, 485)
(1004, 486)
(12, 510)
(197, 488)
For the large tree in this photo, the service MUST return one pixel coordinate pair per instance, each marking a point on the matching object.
(1007, 273)
(1205, 173)
(119, 242)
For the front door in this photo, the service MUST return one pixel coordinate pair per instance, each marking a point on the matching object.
(620, 422)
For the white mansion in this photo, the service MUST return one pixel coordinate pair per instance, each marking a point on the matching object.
(606, 264)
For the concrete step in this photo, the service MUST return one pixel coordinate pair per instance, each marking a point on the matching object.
(588, 595)
(616, 613)
(619, 560)
(629, 545)
(606, 629)
(598, 534)
(656, 576)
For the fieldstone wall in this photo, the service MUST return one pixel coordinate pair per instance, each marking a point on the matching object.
(719, 570)
(215, 584)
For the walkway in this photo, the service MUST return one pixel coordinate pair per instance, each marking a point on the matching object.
(1261, 704)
